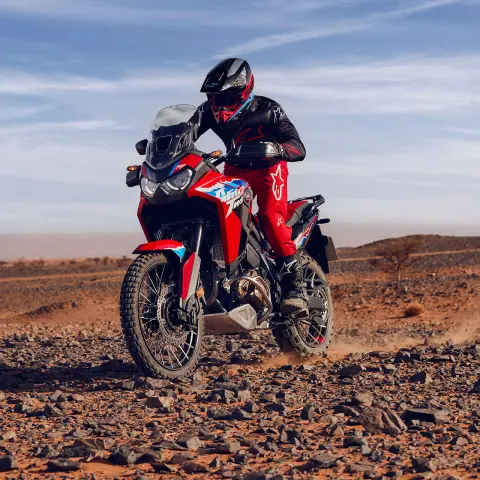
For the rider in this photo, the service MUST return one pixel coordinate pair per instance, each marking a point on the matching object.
(238, 117)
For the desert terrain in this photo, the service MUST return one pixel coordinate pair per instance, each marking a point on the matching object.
(398, 395)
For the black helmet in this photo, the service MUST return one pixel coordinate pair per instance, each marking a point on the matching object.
(229, 89)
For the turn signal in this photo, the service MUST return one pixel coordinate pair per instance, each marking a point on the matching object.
(216, 154)
(133, 168)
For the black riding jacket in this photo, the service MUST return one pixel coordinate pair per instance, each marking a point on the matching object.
(264, 122)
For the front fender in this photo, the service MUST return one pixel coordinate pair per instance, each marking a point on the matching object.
(162, 245)
(189, 263)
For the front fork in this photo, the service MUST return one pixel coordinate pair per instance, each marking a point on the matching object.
(190, 269)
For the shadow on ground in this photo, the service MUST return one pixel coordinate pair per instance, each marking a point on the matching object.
(81, 377)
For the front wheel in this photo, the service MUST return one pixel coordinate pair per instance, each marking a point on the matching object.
(311, 336)
(163, 339)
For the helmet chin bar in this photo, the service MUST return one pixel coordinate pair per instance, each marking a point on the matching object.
(229, 116)
(243, 107)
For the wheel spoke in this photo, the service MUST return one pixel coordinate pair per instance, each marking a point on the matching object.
(152, 285)
(148, 301)
(173, 353)
(186, 356)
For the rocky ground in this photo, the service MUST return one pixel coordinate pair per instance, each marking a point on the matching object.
(396, 398)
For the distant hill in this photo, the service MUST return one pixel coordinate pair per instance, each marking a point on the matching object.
(426, 244)
(81, 245)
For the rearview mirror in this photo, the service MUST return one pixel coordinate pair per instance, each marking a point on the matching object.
(141, 146)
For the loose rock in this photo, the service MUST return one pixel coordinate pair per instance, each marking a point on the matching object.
(382, 420)
(8, 463)
(437, 417)
(421, 377)
(351, 371)
(63, 465)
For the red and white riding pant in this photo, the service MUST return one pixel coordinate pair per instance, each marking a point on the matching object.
(270, 187)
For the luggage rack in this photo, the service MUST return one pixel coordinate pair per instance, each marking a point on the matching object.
(316, 198)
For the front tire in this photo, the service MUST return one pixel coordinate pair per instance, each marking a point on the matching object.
(160, 345)
(311, 336)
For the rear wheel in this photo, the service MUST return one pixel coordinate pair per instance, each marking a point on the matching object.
(163, 339)
(311, 336)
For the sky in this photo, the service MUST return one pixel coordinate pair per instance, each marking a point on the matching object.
(385, 95)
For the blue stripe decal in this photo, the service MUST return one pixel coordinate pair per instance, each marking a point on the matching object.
(180, 251)
(174, 167)
(248, 102)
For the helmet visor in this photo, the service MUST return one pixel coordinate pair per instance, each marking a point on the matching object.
(225, 101)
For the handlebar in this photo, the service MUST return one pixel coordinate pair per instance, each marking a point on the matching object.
(246, 155)
(219, 161)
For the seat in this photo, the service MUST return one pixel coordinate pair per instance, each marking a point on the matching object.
(295, 211)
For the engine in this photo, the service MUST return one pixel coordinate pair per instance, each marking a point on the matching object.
(251, 288)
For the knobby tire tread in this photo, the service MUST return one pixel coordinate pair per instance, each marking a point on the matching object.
(288, 338)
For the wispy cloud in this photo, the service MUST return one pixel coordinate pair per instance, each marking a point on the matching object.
(104, 12)
(16, 82)
(15, 112)
(442, 158)
(401, 85)
(177, 14)
(331, 29)
(410, 85)
(301, 6)
(75, 126)
(475, 132)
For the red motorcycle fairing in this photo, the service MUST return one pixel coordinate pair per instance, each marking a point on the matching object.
(141, 204)
(227, 193)
(302, 239)
(191, 160)
(190, 264)
(189, 277)
(292, 207)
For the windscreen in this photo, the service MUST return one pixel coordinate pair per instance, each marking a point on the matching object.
(172, 136)
(173, 115)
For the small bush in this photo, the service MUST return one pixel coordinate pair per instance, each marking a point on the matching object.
(97, 260)
(20, 263)
(73, 262)
(38, 263)
(3, 263)
(105, 260)
(123, 262)
(414, 310)
(394, 256)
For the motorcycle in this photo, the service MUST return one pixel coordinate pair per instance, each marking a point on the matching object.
(207, 268)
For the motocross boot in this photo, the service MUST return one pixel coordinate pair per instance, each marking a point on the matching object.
(294, 301)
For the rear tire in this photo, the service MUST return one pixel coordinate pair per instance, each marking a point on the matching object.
(294, 339)
(135, 328)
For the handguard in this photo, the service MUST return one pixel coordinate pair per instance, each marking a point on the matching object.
(256, 154)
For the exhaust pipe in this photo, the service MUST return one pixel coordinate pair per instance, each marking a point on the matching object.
(262, 287)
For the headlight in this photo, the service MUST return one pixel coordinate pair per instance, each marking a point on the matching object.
(148, 187)
(179, 181)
